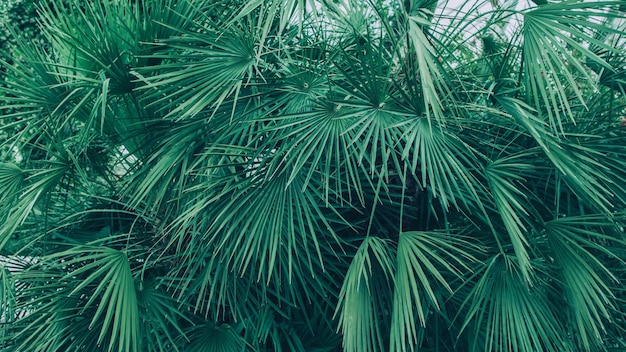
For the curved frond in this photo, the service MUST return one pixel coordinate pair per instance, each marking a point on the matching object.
(507, 315)
(427, 263)
(211, 338)
(583, 170)
(363, 291)
(506, 184)
(37, 185)
(553, 34)
(578, 245)
(107, 271)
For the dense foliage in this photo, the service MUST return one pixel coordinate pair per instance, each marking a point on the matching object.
(308, 175)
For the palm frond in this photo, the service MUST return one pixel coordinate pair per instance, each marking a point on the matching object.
(441, 161)
(237, 175)
(161, 319)
(364, 288)
(216, 68)
(11, 179)
(514, 316)
(7, 295)
(274, 17)
(316, 141)
(506, 185)
(108, 273)
(261, 227)
(583, 172)
(431, 80)
(427, 263)
(93, 38)
(552, 35)
(211, 338)
(38, 184)
(577, 244)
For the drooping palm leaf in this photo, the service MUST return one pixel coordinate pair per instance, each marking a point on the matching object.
(108, 274)
(576, 244)
(583, 170)
(426, 263)
(552, 35)
(39, 183)
(365, 285)
(506, 185)
(504, 314)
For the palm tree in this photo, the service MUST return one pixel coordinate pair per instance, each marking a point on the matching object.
(315, 176)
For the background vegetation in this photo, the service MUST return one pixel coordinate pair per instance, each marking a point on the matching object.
(314, 176)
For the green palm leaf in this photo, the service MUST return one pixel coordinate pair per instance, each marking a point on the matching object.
(261, 227)
(584, 170)
(365, 285)
(552, 34)
(97, 37)
(441, 161)
(292, 176)
(577, 244)
(38, 184)
(162, 320)
(11, 179)
(44, 312)
(425, 261)
(108, 272)
(506, 185)
(216, 68)
(514, 316)
(211, 338)
(317, 141)
(285, 12)
(431, 79)
(7, 294)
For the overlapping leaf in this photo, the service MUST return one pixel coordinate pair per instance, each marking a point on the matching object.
(553, 35)
(507, 315)
(366, 283)
(216, 67)
(506, 185)
(111, 292)
(427, 263)
(578, 244)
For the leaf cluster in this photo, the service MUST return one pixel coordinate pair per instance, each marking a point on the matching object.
(314, 176)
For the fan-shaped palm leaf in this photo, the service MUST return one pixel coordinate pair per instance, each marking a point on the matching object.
(423, 258)
(552, 34)
(514, 316)
(38, 184)
(161, 318)
(228, 175)
(109, 274)
(442, 161)
(211, 338)
(576, 243)
(216, 68)
(364, 288)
